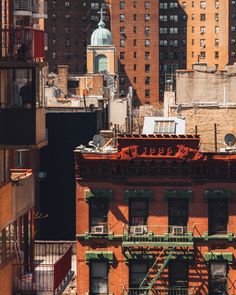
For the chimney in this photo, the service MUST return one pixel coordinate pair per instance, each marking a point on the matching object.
(63, 79)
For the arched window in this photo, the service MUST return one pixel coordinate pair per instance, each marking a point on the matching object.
(101, 63)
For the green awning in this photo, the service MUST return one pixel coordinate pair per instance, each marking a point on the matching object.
(217, 194)
(99, 255)
(178, 194)
(138, 194)
(98, 193)
(219, 256)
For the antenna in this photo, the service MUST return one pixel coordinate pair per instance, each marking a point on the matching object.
(230, 139)
(99, 140)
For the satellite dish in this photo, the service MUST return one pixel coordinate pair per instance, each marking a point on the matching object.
(230, 139)
(99, 140)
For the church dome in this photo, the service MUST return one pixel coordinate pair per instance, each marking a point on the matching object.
(101, 36)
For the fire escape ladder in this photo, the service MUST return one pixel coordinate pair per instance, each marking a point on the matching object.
(149, 287)
(154, 264)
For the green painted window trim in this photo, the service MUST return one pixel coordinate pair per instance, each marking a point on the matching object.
(99, 255)
(218, 194)
(219, 256)
(138, 194)
(98, 193)
(178, 194)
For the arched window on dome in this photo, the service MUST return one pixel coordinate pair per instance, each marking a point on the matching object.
(100, 63)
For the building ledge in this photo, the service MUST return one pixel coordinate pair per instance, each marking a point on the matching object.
(89, 236)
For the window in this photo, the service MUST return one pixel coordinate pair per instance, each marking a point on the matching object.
(173, 5)
(122, 43)
(122, 80)
(135, 29)
(147, 68)
(147, 5)
(192, 29)
(163, 30)
(147, 30)
(137, 272)
(192, 4)
(147, 43)
(233, 41)
(122, 30)
(135, 42)
(217, 17)
(202, 54)
(203, 4)
(122, 55)
(122, 17)
(178, 210)
(138, 212)
(193, 16)
(202, 30)
(192, 41)
(173, 30)
(67, 43)
(147, 55)
(147, 93)
(163, 43)
(99, 277)
(178, 274)
(203, 43)
(174, 43)
(184, 5)
(217, 42)
(174, 18)
(67, 4)
(192, 54)
(217, 4)
(184, 43)
(135, 17)
(98, 214)
(163, 5)
(217, 29)
(202, 17)
(216, 54)
(122, 5)
(134, 4)
(163, 18)
(135, 80)
(147, 80)
(122, 92)
(135, 54)
(135, 67)
(147, 17)
(94, 5)
(217, 216)
(67, 17)
(218, 278)
(233, 29)
(54, 16)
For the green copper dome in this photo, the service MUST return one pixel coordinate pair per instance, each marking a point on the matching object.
(101, 36)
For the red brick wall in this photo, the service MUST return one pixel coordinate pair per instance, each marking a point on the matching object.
(158, 215)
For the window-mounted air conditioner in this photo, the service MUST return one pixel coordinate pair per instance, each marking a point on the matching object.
(177, 230)
(99, 229)
(140, 229)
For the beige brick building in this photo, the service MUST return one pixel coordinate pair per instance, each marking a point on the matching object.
(207, 100)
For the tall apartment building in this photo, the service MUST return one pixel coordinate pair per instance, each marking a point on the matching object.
(155, 216)
(22, 134)
(134, 26)
(195, 31)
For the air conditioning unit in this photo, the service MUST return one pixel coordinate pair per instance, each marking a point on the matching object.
(177, 230)
(140, 229)
(99, 229)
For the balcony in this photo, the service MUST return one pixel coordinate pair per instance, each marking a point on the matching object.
(145, 235)
(22, 111)
(155, 291)
(22, 8)
(22, 44)
(50, 272)
(22, 191)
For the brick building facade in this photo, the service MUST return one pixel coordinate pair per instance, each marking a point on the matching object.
(155, 216)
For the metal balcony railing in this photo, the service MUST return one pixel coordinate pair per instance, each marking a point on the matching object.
(146, 233)
(23, 5)
(43, 277)
(20, 43)
(154, 291)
